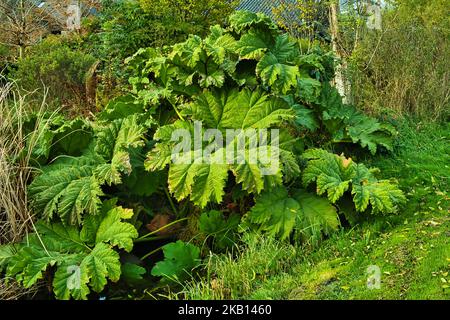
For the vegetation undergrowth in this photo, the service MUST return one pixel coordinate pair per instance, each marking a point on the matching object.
(412, 249)
(406, 73)
(16, 145)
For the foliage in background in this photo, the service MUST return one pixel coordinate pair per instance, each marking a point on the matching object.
(403, 68)
(180, 18)
(122, 27)
(22, 25)
(307, 19)
(118, 31)
(59, 68)
(398, 70)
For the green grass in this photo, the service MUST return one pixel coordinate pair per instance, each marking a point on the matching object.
(412, 249)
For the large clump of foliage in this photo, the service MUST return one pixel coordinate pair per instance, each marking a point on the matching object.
(249, 75)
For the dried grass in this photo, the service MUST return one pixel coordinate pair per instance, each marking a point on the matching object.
(16, 218)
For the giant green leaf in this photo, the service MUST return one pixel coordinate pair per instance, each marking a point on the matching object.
(67, 189)
(242, 20)
(275, 212)
(120, 108)
(83, 260)
(317, 214)
(346, 123)
(31, 262)
(335, 175)
(330, 172)
(383, 195)
(102, 263)
(279, 214)
(209, 184)
(71, 280)
(254, 44)
(203, 181)
(113, 144)
(276, 67)
(275, 73)
(218, 44)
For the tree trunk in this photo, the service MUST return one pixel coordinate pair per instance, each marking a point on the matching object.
(340, 82)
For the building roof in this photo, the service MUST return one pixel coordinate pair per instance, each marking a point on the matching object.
(264, 6)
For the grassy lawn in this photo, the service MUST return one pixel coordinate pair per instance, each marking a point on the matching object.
(411, 249)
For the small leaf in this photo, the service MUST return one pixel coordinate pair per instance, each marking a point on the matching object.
(179, 260)
(132, 272)
(118, 233)
(102, 263)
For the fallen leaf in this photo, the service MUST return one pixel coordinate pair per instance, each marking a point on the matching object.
(159, 222)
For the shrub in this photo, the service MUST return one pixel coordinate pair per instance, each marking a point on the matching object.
(58, 67)
(180, 18)
(122, 27)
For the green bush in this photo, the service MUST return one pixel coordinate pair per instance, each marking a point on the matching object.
(177, 19)
(122, 27)
(60, 68)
